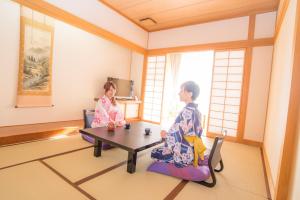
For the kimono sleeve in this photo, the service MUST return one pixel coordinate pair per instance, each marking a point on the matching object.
(101, 117)
(174, 135)
(119, 117)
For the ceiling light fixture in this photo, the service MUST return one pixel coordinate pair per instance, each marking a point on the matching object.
(148, 20)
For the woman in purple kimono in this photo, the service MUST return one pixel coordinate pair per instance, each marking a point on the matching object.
(183, 145)
(107, 111)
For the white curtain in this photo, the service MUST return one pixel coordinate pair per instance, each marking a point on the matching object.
(171, 89)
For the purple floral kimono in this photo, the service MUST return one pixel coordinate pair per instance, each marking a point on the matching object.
(176, 149)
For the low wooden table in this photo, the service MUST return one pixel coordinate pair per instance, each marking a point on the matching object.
(132, 140)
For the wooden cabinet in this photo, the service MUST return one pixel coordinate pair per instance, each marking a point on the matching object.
(130, 109)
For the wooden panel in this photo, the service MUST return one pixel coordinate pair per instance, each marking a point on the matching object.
(246, 81)
(176, 13)
(29, 132)
(284, 4)
(38, 127)
(234, 139)
(195, 16)
(130, 108)
(122, 107)
(290, 137)
(34, 136)
(132, 111)
(214, 46)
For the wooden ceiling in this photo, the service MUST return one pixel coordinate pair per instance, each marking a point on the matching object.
(175, 13)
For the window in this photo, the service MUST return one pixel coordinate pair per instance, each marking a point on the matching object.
(226, 91)
(154, 88)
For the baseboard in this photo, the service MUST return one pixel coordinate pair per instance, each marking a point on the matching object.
(29, 132)
(269, 179)
(252, 143)
(133, 119)
(236, 140)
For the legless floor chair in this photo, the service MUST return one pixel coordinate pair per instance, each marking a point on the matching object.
(213, 160)
(201, 174)
(88, 116)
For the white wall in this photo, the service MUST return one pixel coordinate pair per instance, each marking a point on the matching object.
(218, 31)
(265, 25)
(136, 72)
(280, 90)
(258, 93)
(97, 13)
(81, 64)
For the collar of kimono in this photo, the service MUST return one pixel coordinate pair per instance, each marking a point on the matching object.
(106, 99)
(193, 105)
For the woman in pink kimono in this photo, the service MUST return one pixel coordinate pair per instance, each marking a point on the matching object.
(107, 111)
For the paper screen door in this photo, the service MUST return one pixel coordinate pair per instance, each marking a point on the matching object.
(227, 79)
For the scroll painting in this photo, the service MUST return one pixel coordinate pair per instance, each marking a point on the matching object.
(35, 65)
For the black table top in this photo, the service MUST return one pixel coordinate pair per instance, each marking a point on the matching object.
(133, 139)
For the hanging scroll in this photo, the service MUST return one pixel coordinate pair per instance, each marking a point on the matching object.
(35, 65)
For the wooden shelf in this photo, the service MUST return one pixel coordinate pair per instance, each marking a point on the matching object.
(130, 108)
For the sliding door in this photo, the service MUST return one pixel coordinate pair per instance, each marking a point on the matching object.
(153, 92)
(227, 79)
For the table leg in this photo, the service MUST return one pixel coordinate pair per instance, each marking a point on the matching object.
(97, 148)
(131, 162)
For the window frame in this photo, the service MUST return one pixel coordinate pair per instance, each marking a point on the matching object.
(145, 69)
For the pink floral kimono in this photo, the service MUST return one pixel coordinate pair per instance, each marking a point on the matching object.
(106, 112)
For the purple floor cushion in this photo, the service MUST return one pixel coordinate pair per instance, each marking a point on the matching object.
(191, 173)
(105, 146)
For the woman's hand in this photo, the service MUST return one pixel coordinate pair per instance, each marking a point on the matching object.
(111, 125)
(163, 134)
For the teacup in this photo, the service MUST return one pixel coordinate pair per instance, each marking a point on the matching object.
(111, 128)
(127, 126)
(147, 131)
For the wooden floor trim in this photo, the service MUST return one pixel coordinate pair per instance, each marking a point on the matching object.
(267, 168)
(236, 140)
(68, 181)
(105, 170)
(38, 127)
(81, 181)
(43, 158)
(252, 143)
(25, 138)
(37, 140)
(265, 175)
(32, 132)
(176, 190)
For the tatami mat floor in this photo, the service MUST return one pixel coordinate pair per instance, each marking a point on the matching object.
(67, 169)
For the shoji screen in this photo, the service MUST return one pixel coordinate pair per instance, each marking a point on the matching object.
(226, 92)
(154, 88)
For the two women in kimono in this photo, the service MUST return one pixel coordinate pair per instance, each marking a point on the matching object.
(183, 145)
(107, 111)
